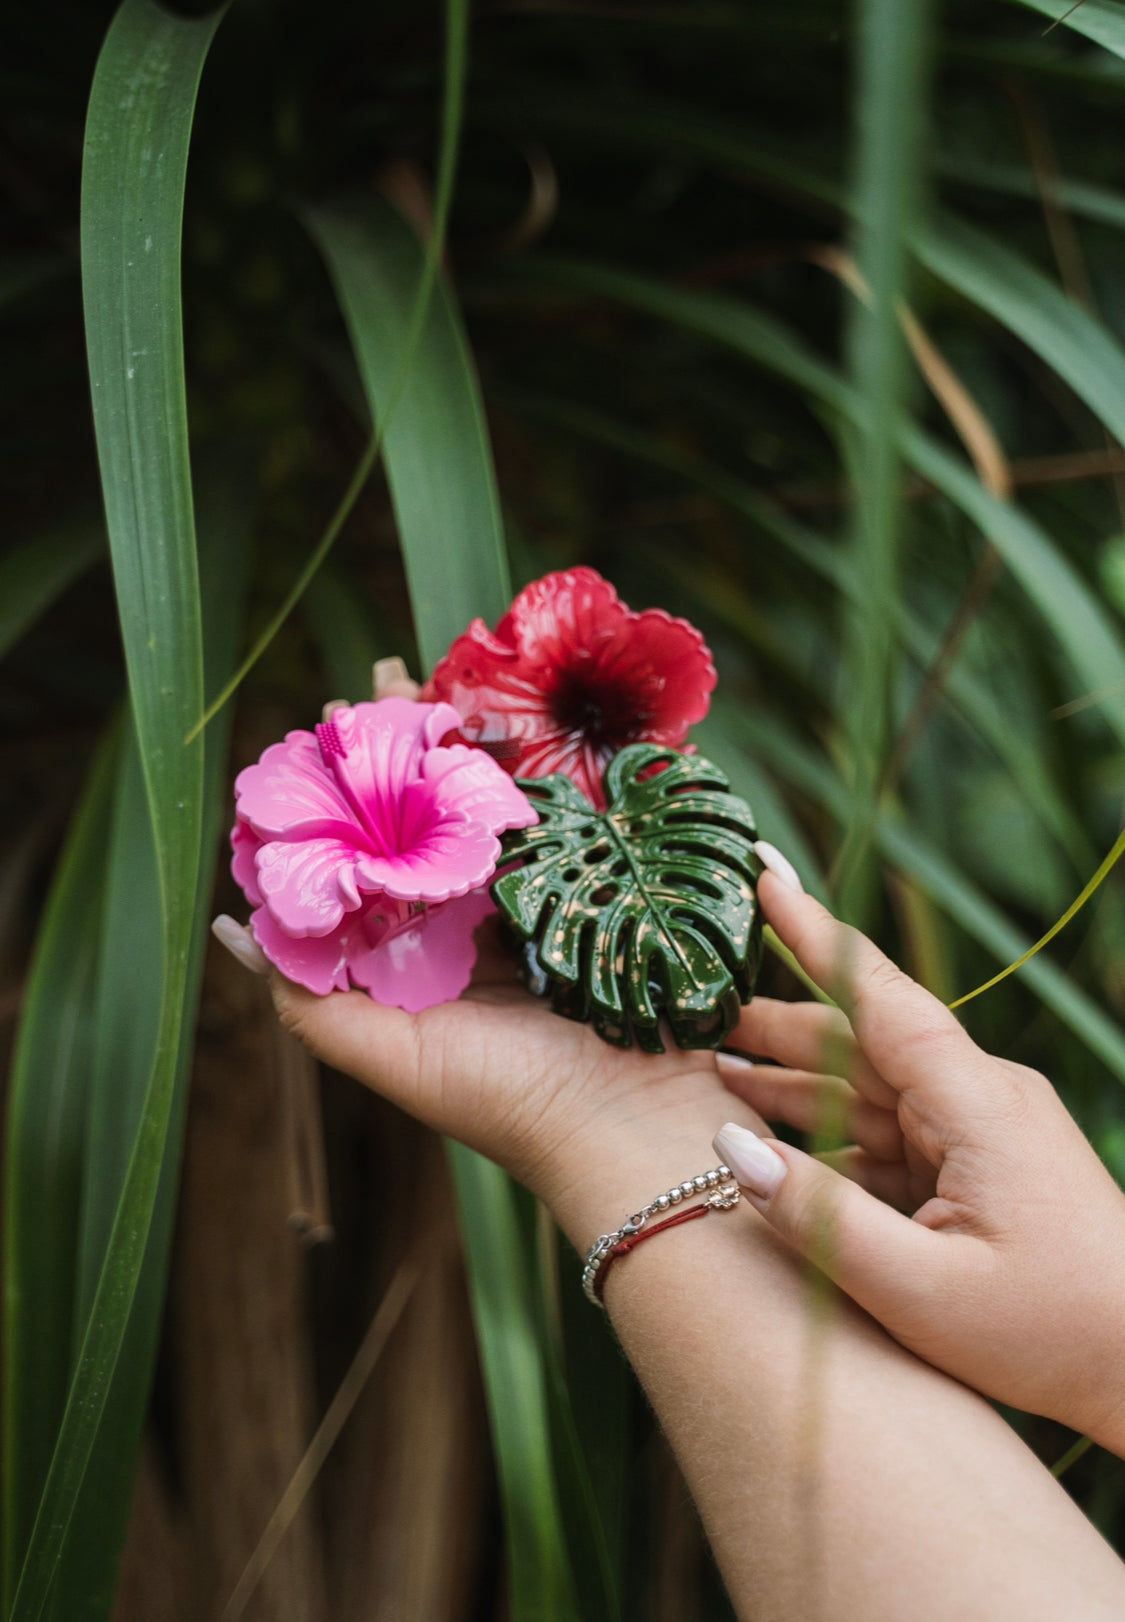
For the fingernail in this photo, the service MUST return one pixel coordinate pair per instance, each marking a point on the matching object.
(386, 671)
(331, 707)
(734, 1066)
(240, 944)
(771, 857)
(756, 1167)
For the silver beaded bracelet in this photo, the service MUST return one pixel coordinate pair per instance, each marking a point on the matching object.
(721, 1194)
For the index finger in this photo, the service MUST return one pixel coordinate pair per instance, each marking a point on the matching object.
(911, 1038)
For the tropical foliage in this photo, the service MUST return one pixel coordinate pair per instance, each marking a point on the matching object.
(804, 322)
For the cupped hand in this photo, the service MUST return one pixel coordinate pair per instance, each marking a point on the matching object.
(1009, 1270)
(596, 1131)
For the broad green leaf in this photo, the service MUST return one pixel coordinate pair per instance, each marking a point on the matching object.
(646, 909)
(34, 574)
(137, 135)
(437, 452)
(43, 1174)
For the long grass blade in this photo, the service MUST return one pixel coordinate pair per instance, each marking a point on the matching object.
(1060, 924)
(138, 130)
(1071, 341)
(412, 334)
(503, 1301)
(891, 97)
(439, 467)
(43, 1175)
(121, 1058)
(438, 457)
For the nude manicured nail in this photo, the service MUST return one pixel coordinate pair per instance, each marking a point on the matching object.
(385, 673)
(771, 857)
(733, 1067)
(240, 944)
(753, 1163)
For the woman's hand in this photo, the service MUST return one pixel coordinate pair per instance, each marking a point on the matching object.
(594, 1130)
(1010, 1274)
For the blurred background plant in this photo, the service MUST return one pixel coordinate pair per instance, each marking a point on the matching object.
(803, 321)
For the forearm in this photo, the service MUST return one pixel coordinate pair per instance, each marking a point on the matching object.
(836, 1474)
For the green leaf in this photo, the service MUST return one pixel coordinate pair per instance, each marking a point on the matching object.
(43, 1174)
(443, 487)
(137, 135)
(891, 102)
(34, 574)
(503, 1303)
(644, 910)
(437, 451)
(121, 1057)
(1081, 349)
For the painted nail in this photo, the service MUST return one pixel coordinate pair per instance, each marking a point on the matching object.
(733, 1068)
(385, 672)
(771, 857)
(755, 1165)
(240, 944)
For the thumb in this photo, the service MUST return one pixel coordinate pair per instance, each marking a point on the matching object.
(888, 1264)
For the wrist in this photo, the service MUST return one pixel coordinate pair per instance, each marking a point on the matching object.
(596, 1180)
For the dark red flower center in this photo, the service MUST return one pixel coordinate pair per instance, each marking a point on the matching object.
(605, 713)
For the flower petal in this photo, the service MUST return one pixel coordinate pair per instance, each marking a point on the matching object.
(309, 884)
(246, 845)
(442, 853)
(289, 793)
(665, 666)
(381, 749)
(571, 613)
(482, 789)
(427, 960)
(317, 962)
(571, 676)
(486, 680)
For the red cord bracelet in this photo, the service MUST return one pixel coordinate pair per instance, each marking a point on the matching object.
(721, 1194)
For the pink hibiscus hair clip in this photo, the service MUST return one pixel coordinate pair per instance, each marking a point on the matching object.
(570, 676)
(366, 849)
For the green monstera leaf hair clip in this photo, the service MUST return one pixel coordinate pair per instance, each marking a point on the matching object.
(648, 908)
